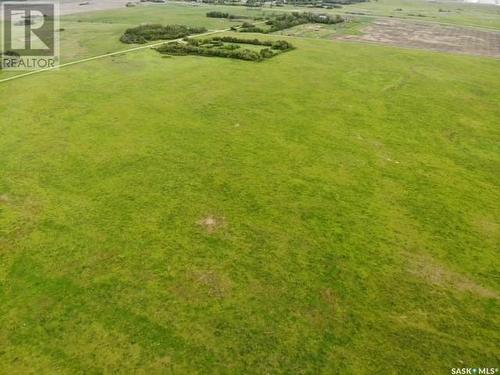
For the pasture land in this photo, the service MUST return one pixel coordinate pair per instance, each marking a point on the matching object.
(330, 210)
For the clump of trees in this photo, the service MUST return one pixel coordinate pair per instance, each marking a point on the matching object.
(288, 20)
(266, 53)
(281, 45)
(217, 47)
(181, 49)
(215, 14)
(253, 29)
(148, 33)
(247, 27)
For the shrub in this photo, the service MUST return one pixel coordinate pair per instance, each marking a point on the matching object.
(231, 46)
(281, 45)
(266, 53)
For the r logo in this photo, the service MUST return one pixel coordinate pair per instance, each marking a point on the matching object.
(29, 35)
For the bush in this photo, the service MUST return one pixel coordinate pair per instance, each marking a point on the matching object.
(281, 45)
(231, 46)
(266, 53)
(148, 33)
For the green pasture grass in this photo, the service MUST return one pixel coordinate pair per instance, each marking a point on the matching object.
(183, 14)
(353, 194)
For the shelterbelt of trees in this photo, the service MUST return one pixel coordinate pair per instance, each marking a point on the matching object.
(288, 20)
(282, 45)
(217, 47)
(215, 14)
(148, 33)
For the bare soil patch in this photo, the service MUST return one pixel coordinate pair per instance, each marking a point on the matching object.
(430, 36)
(212, 223)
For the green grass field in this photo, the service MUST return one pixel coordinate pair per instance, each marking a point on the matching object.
(331, 210)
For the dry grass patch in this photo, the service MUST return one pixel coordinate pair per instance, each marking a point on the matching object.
(216, 284)
(487, 226)
(429, 270)
(432, 37)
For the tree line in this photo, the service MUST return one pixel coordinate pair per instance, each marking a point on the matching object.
(288, 20)
(181, 49)
(148, 33)
(215, 14)
(216, 47)
(282, 45)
